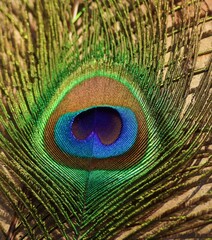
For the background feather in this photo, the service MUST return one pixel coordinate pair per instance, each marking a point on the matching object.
(164, 47)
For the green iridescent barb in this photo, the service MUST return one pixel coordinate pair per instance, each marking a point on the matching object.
(105, 119)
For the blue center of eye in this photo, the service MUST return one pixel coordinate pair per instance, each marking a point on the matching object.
(97, 132)
(105, 122)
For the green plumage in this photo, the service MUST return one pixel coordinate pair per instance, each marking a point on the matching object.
(151, 53)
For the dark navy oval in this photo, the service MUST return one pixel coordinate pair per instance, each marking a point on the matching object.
(91, 146)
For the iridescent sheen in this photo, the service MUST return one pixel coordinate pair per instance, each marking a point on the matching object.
(101, 123)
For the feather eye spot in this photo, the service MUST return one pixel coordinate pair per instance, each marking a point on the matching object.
(98, 123)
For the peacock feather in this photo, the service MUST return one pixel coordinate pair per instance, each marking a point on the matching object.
(105, 119)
